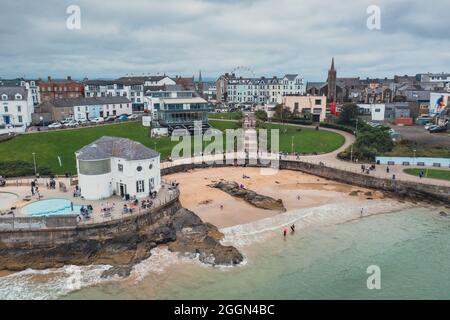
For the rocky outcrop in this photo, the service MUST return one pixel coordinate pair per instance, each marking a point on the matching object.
(182, 230)
(255, 199)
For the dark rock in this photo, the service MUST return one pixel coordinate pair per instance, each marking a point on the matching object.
(443, 214)
(255, 199)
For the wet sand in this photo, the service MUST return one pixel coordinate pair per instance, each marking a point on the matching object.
(286, 185)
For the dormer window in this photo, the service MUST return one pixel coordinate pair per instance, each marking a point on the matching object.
(4, 97)
(18, 97)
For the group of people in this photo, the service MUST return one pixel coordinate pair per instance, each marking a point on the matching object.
(368, 169)
(35, 188)
(86, 212)
(51, 184)
(286, 230)
(77, 192)
(146, 204)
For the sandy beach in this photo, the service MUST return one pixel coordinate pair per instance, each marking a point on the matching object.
(205, 201)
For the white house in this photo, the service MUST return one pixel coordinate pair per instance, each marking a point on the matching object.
(376, 111)
(117, 166)
(16, 108)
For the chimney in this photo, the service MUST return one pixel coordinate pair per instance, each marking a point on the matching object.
(49, 78)
(69, 78)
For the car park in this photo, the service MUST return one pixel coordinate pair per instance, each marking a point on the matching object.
(71, 124)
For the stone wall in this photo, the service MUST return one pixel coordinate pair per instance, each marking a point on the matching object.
(404, 189)
(61, 233)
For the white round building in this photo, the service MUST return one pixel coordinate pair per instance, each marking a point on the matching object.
(117, 166)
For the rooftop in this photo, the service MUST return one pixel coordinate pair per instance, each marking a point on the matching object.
(73, 102)
(113, 147)
(12, 91)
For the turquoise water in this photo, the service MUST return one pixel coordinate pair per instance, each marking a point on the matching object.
(411, 247)
(50, 207)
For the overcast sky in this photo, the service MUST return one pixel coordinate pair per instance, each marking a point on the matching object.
(179, 37)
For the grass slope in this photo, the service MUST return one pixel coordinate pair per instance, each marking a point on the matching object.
(430, 173)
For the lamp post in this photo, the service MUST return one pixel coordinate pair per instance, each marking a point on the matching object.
(415, 161)
(356, 135)
(292, 146)
(34, 161)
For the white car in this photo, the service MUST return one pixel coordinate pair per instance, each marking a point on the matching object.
(133, 117)
(55, 125)
(98, 120)
(71, 124)
(428, 126)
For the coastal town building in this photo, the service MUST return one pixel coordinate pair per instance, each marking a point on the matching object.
(60, 89)
(32, 85)
(117, 166)
(16, 108)
(251, 91)
(172, 107)
(315, 106)
(83, 109)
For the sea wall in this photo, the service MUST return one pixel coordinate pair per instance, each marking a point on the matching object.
(403, 189)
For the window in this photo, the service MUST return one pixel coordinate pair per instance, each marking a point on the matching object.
(140, 188)
(6, 108)
(120, 167)
(18, 97)
(20, 119)
(19, 109)
(318, 102)
(4, 97)
(139, 169)
(150, 166)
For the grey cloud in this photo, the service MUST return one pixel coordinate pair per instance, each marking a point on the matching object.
(271, 37)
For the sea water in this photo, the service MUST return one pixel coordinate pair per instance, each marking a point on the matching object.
(410, 247)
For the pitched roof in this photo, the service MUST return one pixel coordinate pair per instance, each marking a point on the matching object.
(73, 102)
(113, 147)
(12, 91)
(291, 77)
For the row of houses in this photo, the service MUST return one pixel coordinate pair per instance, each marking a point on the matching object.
(248, 91)
(171, 101)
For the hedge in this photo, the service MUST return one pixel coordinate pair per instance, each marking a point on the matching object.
(12, 169)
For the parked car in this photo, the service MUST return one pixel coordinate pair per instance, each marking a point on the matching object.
(438, 129)
(71, 124)
(55, 125)
(432, 127)
(133, 117)
(2, 181)
(110, 119)
(98, 120)
(428, 125)
(122, 118)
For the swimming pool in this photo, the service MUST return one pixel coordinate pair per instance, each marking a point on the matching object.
(50, 207)
(7, 199)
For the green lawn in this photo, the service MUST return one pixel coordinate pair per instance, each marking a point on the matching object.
(430, 173)
(307, 140)
(225, 116)
(49, 145)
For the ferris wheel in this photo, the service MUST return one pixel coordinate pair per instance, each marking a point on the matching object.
(244, 72)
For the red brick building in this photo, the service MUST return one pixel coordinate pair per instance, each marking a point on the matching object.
(60, 89)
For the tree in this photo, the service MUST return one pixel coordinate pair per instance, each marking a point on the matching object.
(282, 113)
(261, 115)
(399, 98)
(349, 113)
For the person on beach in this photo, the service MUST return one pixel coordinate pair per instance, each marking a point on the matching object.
(285, 232)
(387, 170)
(362, 212)
(298, 197)
(221, 207)
(71, 206)
(293, 228)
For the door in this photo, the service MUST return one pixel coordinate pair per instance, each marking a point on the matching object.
(7, 119)
(123, 190)
(151, 184)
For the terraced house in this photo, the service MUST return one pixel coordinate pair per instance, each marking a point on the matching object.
(250, 91)
(16, 108)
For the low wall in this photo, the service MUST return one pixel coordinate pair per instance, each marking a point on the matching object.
(415, 191)
(60, 230)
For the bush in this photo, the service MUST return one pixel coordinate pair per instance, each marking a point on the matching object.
(303, 122)
(12, 169)
(336, 126)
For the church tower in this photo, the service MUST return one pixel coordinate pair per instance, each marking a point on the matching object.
(200, 83)
(332, 75)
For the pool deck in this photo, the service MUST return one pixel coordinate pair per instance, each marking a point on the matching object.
(23, 189)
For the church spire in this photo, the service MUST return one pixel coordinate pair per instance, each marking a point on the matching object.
(332, 64)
